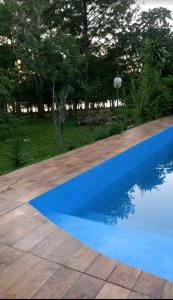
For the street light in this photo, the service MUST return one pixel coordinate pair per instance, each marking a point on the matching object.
(117, 85)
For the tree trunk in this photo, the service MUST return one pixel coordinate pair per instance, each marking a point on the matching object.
(18, 109)
(40, 100)
(54, 113)
(13, 108)
(86, 52)
(75, 109)
(58, 114)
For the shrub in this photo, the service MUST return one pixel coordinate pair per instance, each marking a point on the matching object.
(122, 118)
(116, 128)
(101, 132)
(4, 127)
(71, 147)
(17, 154)
(7, 123)
(4, 132)
(94, 118)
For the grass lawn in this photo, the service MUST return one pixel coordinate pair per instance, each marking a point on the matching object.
(40, 142)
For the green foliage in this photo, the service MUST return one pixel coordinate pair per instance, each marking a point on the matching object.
(7, 86)
(101, 132)
(71, 147)
(7, 124)
(81, 44)
(39, 142)
(99, 117)
(168, 82)
(4, 131)
(117, 128)
(47, 54)
(92, 21)
(148, 95)
(17, 155)
(70, 51)
(153, 24)
(163, 102)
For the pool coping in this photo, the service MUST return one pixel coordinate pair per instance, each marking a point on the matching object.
(56, 265)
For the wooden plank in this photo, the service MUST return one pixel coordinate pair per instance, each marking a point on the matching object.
(16, 271)
(65, 251)
(16, 215)
(59, 284)
(102, 267)
(82, 259)
(32, 281)
(36, 237)
(59, 248)
(8, 257)
(168, 291)
(110, 291)
(31, 194)
(86, 287)
(135, 295)
(125, 276)
(3, 248)
(12, 234)
(7, 206)
(150, 286)
(47, 246)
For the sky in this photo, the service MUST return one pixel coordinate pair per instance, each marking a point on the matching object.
(157, 3)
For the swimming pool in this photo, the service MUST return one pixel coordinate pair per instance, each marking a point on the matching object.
(122, 208)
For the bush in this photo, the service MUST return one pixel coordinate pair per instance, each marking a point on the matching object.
(101, 132)
(17, 154)
(4, 132)
(71, 147)
(4, 127)
(117, 128)
(7, 122)
(94, 118)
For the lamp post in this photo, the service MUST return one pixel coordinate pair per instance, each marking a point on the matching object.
(117, 85)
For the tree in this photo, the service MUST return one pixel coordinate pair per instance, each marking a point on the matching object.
(7, 87)
(63, 64)
(147, 99)
(46, 55)
(28, 31)
(7, 100)
(108, 36)
(95, 25)
(153, 24)
(7, 56)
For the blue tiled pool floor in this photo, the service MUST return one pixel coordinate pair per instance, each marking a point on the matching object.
(130, 220)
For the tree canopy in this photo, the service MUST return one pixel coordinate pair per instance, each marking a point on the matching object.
(49, 47)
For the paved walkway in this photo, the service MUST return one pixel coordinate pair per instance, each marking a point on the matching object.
(39, 260)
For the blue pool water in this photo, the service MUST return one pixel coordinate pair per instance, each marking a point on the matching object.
(147, 204)
(123, 208)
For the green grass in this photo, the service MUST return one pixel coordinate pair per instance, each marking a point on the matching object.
(40, 141)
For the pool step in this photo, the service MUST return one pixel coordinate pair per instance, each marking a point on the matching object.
(97, 217)
(111, 221)
(129, 224)
(146, 251)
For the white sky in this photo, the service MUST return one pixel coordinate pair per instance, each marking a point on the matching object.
(157, 3)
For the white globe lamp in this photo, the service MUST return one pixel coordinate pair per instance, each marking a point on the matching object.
(117, 85)
(117, 82)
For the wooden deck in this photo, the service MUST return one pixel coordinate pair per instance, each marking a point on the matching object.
(39, 260)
